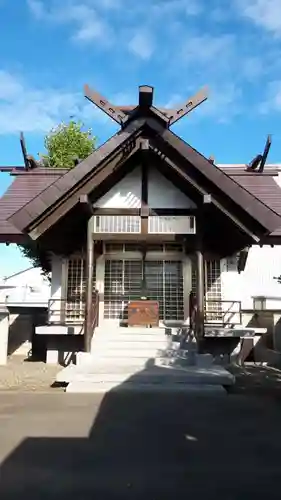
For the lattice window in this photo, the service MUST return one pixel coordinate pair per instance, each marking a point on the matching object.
(137, 247)
(164, 281)
(213, 291)
(123, 282)
(76, 288)
(171, 224)
(117, 224)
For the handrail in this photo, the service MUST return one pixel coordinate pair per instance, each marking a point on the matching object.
(225, 315)
(68, 312)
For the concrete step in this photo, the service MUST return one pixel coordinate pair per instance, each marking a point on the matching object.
(104, 360)
(125, 344)
(214, 375)
(94, 388)
(123, 352)
(107, 330)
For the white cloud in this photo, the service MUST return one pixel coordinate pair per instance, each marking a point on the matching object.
(142, 45)
(264, 13)
(272, 102)
(252, 68)
(83, 16)
(32, 109)
(36, 8)
(160, 7)
(207, 48)
(223, 104)
(193, 8)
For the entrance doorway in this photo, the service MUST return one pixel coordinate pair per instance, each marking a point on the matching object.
(123, 282)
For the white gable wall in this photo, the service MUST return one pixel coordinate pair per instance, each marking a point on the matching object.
(161, 192)
(263, 264)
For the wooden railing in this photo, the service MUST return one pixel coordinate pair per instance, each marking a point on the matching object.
(71, 312)
(224, 313)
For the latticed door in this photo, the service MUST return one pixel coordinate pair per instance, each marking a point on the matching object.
(164, 281)
(123, 282)
(76, 289)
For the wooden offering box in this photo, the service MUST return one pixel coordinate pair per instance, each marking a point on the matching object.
(143, 313)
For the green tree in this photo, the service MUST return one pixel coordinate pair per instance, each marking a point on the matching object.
(67, 144)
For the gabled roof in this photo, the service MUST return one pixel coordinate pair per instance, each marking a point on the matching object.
(77, 176)
(215, 180)
(170, 143)
(25, 187)
(253, 196)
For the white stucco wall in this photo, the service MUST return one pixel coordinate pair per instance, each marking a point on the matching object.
(57, 286)
(161, 193)
(262, 265)
(26, 287)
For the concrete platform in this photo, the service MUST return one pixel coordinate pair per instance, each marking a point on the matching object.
(192, 375)
(98, 388)
(59, 330)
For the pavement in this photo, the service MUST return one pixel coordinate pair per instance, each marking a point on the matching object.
(140, 446)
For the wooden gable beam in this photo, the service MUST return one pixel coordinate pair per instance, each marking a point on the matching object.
(188, 106)
(78, 196)
(102, 103)
(203, 192)
(127, 109)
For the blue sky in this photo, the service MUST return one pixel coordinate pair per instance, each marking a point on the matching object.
(50, 48)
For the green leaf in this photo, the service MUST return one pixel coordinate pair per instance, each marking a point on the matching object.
(67, 143)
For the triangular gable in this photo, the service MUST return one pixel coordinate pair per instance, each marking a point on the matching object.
(77, 176)
(169, 143)
(64, 194)
(162, 193)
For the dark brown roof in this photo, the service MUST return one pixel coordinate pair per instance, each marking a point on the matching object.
(24, 188)
(79, 174)
(263, 186)
(170, 143)
(33, 192)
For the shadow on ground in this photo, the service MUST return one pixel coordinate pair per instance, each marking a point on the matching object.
(144, 446)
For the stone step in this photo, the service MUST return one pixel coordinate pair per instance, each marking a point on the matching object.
(126, 352)
(104, 360)
(131, 339)
(155, 374)
(138, 343)
(107, 330)
(94, 388)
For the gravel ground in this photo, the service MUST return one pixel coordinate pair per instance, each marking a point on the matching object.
(256, 380)
(21, 374)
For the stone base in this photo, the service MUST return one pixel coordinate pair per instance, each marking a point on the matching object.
(95, 388)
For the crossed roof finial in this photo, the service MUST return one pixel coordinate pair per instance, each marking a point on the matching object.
(121, 114)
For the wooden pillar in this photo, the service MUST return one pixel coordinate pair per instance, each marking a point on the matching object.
(200, 279)
(199, 325)
(89, 287)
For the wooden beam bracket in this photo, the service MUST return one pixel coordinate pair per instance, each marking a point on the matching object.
(188, 106)
(102, 103)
